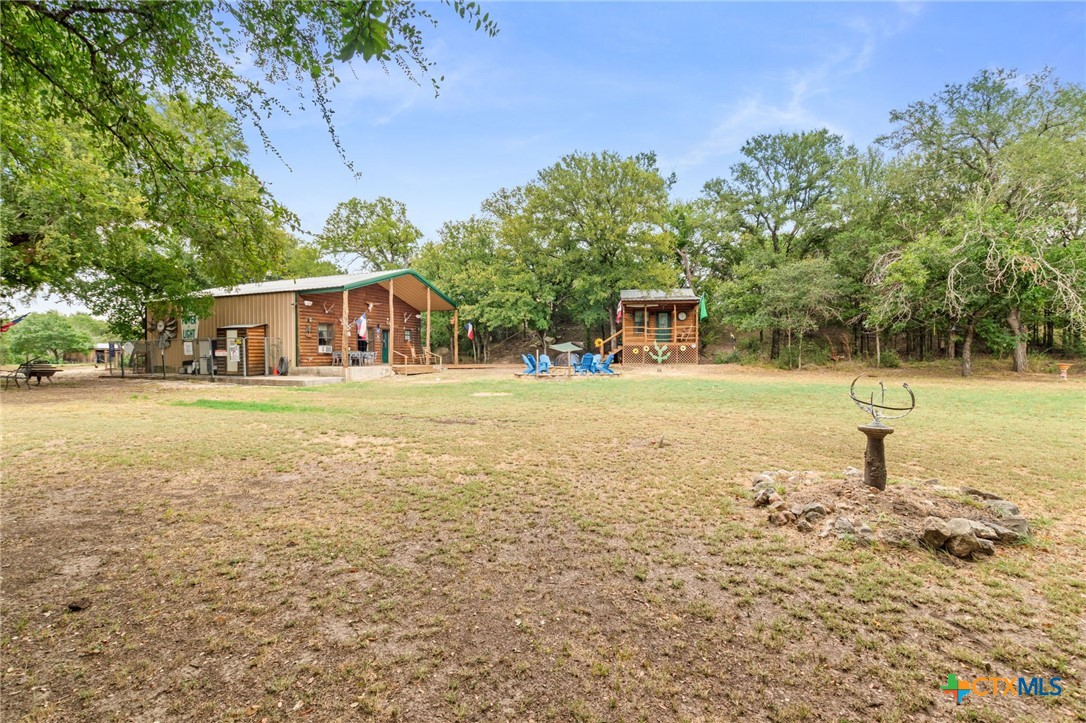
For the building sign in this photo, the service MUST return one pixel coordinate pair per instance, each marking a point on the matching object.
(189, 326)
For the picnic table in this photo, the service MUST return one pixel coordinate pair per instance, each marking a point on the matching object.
(41, 370)
(33, 369)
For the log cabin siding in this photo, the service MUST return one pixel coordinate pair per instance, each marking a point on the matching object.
(682, 343)
(327, 308)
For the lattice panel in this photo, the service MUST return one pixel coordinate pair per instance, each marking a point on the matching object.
(675, 353)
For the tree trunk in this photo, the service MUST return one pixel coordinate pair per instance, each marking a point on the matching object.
(775, 344)
(1050, 331)
(799, 357)
(1014, 319)
(688, 271)
(967, 350)
(878, 350)
(950, 350)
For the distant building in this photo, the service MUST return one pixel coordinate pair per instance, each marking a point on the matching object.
(292, 324)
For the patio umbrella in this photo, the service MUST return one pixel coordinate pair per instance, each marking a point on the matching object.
(567, 347)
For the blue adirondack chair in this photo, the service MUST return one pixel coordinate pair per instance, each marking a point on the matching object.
(605, 367)
(588, 364)
(529, 364)
(544, 364)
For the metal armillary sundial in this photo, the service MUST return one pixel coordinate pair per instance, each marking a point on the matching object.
(876, 432)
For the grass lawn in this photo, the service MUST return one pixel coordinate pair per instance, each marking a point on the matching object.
(471, 546)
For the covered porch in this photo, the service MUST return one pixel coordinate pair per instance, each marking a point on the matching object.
(382, 320)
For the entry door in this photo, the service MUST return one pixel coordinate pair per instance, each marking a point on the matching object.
(663, 326)
(384, 346)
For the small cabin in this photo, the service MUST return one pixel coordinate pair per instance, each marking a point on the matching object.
(660, 327)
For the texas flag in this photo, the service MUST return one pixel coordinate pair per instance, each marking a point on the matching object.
(8, 324)
(471, 331)
(361, 324)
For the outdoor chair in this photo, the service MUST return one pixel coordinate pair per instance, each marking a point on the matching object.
(605, 367)
(544, 364)
(529, 364)
(588, 361)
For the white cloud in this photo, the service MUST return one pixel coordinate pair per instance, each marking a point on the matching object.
(759, 112)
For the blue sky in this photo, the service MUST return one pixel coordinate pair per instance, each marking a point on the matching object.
(690, 81)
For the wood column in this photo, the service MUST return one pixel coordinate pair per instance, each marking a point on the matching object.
(427, 324)
(456, 336)
(697, 334)
(391, 326)
(346, 360)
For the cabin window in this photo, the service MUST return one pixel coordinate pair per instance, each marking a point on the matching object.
(407, 335)
(324, 334)
(639, 322)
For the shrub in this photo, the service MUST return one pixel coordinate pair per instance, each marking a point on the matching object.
(890, 359)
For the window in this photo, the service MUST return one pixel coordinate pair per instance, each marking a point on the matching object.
(639, 322)
(324, 338)
(407, 335)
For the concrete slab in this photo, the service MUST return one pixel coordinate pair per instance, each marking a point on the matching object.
(281, 381)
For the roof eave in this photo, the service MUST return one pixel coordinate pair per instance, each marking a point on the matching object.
(385, 277)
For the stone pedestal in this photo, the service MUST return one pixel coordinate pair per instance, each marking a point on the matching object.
(875, 454)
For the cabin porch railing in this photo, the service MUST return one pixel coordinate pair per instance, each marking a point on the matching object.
(647, 335)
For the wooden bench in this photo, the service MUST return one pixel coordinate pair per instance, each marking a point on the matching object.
(14, 375)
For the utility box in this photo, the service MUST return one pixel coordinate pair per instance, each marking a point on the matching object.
(239, 350)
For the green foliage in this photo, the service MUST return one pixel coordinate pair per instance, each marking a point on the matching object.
(996, 336)
(301, 260)
(50, 333)
(112, 236)
(376, 232)
(889, 359)
(591, 225)
(468, 264)
(124, 171)
(996, 166)
(97, 66)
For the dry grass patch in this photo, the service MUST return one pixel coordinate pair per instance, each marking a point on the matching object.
(487, 548)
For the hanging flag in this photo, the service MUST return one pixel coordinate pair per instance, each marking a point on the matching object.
(618, 313)
(471, 331)
(361, 324)
(702, 313)
(8, 324)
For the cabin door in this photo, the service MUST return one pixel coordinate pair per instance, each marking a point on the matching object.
(384, 346)
(663, 326)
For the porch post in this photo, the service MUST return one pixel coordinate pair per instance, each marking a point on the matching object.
(456, 336)
(427, 323)
(391, 326)
(697, 334)
(346, 355)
